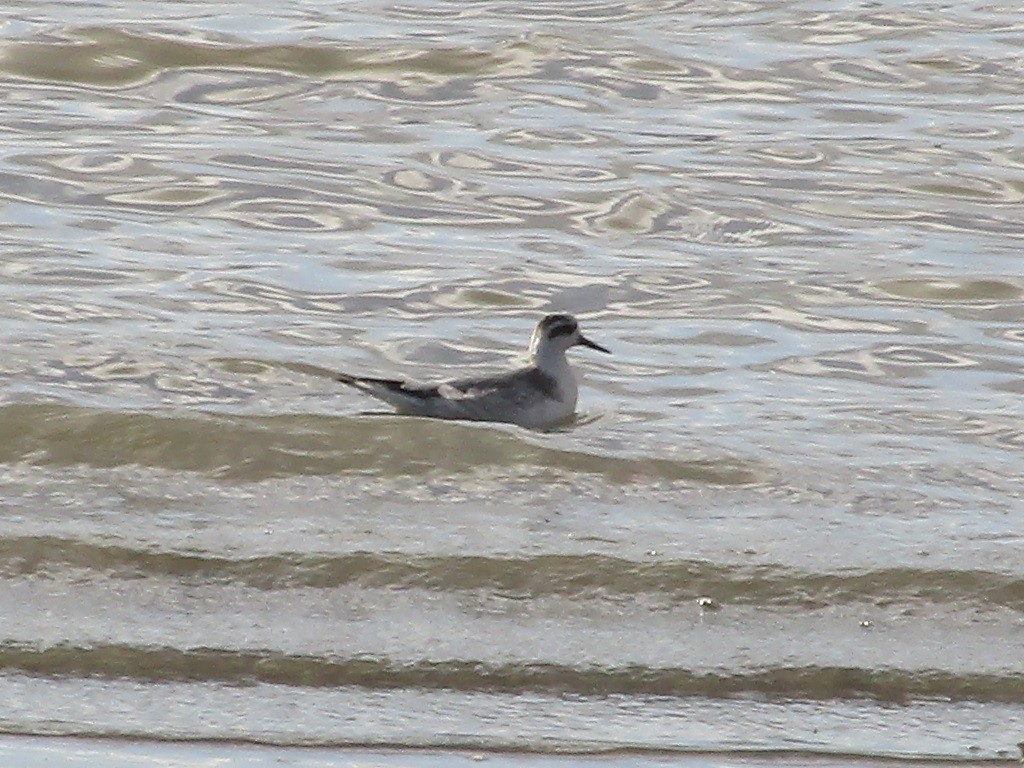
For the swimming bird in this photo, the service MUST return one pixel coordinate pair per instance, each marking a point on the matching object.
(541, 394)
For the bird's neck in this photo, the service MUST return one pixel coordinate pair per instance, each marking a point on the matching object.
(550, 359)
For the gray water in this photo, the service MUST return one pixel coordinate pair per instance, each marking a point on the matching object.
(787, 518)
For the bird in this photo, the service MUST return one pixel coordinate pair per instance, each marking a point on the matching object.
(540, 395)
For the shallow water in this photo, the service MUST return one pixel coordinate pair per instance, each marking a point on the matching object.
(787, 518)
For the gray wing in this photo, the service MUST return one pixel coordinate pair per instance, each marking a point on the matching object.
(531, 381)
(492, 396)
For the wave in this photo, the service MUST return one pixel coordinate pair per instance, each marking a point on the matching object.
(110, 57)
(586, 576)
(235, 667)
(252, 448)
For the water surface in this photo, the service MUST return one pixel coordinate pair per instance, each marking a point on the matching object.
(787, 519)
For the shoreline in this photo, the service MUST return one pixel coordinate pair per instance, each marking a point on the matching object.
(46, 751)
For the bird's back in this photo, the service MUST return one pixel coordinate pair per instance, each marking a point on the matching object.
(528, 396)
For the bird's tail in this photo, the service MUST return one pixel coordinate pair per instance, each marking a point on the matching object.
(369, 384)
(400, 394)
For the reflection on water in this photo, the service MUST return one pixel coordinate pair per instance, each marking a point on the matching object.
(799, 229)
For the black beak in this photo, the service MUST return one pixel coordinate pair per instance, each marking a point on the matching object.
(588, 343)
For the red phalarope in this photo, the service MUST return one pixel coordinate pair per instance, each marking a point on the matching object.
(541, 394)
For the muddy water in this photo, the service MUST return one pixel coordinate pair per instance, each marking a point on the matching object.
(788, 516)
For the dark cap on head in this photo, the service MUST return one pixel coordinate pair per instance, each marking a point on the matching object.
(553, 326)
(556, 325)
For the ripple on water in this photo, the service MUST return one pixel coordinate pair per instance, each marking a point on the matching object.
(170, 196)
(668, 214)
(951, 290)
(288, 215)
(229, 89)
(114, 58)
(541, 139)
(495, 164)
(489, 298)
(893, 364)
